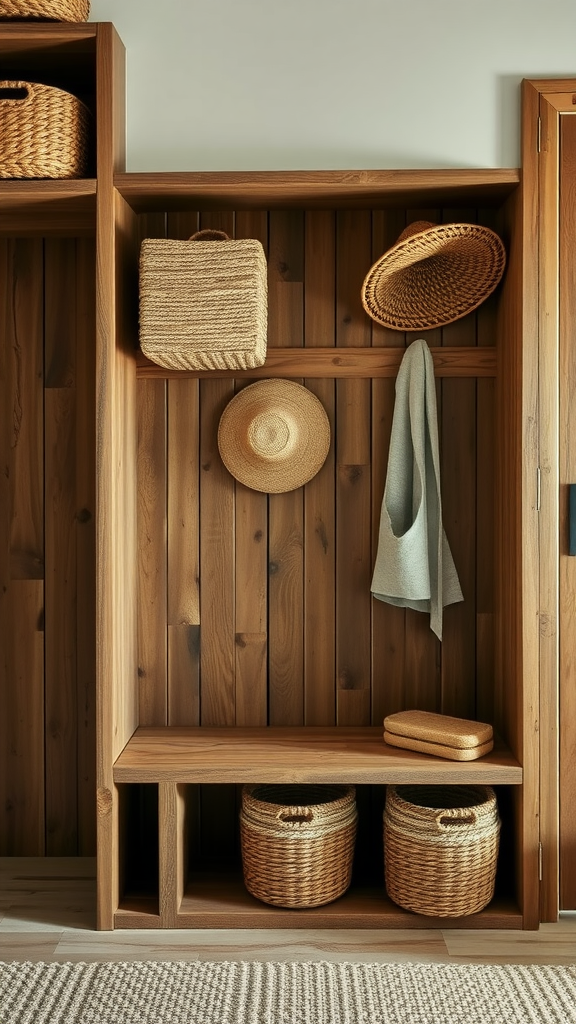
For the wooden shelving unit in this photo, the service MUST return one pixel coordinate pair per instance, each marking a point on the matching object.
(219, 696)
(236, 639)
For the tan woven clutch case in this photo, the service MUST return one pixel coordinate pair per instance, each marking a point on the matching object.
(458, 739)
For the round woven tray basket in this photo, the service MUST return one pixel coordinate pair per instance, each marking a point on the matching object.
(297, 842)
(44, 132)
(45, 10)
(434, 275)
(441, 848)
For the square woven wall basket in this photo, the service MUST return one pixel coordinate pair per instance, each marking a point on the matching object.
(297, 842)
(204, 302)
(441, 848)
(45, 10)
(44, 132)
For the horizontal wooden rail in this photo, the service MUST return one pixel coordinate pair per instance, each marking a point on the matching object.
(343, 362)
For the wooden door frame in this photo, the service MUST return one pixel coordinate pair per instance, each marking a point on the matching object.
(544, 101)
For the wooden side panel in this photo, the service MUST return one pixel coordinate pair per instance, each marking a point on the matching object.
(116, 545)
(567, 476)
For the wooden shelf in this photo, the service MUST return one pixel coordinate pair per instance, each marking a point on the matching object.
(341, 362)
(204, 190)
(302, 754)
(20, 38)
(62, 207)
(222, 901)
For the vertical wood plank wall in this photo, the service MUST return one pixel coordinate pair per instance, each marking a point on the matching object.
(274, 591)
(47, 725)
(253, 609)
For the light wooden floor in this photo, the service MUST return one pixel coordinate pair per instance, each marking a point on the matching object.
(47, 913)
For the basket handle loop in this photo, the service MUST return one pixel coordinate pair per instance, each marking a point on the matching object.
(295, 815)
(209, 235)
(15, 92)
(461, 818)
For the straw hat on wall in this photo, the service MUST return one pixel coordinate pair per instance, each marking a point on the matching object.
(433, 275)
(274, 436)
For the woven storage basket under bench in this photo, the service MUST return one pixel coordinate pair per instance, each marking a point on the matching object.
(298, 842)
(441, 848)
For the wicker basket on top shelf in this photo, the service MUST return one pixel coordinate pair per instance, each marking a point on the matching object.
(45, 10)
(44, 132)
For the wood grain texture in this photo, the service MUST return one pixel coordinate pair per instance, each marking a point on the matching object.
(22, 774)
(86, 545)
(304, 189)
(60, 438)
(217, 588)
(217, 585)
(345, 361)
(388, 622)
(172, 852)
(292, 754)
(458, 431)
(567, 475)
(183, 525)
(353, 529)
(152, 555)
(116, 446)
(319, 509)
(286, 511)
(22, 722)
(516, 640)
(24, 325)
(251, 563)
(286, 609)
(116, 504)
(61, 697)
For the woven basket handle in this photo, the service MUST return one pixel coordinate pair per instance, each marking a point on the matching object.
(16, 92)
(457, 819)
(209, 235)
(295, 815)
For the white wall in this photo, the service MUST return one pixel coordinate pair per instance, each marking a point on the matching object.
(333, 84)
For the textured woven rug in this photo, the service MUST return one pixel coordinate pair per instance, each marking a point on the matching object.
(285, 993)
